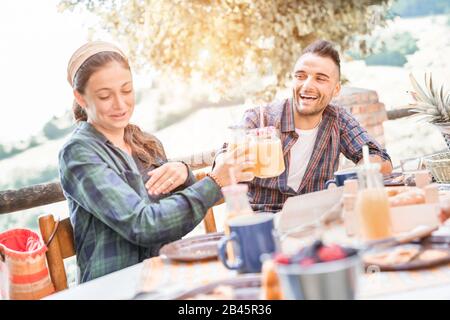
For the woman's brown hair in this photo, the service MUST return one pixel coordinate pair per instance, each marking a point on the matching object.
(145, 146)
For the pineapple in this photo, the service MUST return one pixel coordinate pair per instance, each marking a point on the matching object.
(431, 103)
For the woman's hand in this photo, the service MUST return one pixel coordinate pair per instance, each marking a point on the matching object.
(238, 163)
(166, 178)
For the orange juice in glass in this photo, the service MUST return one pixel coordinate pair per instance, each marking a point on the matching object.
(270, 160)
(372, 205)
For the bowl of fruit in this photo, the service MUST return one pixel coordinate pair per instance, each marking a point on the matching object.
(319, 272)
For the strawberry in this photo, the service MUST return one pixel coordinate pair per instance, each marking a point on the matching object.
(330, 253)
(282, 259)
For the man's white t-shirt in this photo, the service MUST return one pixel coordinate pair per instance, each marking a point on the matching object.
(301, 152)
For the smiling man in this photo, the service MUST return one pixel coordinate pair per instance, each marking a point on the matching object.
(314, 132)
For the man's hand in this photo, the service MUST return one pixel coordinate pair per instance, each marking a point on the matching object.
(386, 166)
(166, 178)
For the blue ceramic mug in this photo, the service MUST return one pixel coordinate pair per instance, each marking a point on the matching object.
(341, 176)
(251, 236)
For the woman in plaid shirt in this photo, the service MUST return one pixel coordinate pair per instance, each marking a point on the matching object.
(125, 199)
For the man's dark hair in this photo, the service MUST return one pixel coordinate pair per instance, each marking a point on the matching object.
(324, 48)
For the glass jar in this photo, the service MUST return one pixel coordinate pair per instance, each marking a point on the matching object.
(269, 160)
(372, 205)
(238, 137)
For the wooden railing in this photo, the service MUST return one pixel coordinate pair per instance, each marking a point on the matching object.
(47, 193)
(399, 113)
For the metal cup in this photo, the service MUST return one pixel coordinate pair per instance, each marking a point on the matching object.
(335, 280)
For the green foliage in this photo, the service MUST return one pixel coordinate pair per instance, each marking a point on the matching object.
(222, 43)
(55, 128)
(15, 150)
(3, 152)
(403, 42)
(388, 49)
(33, 143)
(27, 178)
(416, 8)
(47, 175)
(388, 58)
(53, 132)
(12, 152)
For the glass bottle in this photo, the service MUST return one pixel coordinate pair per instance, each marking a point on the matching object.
(236, 204)
(372, 205)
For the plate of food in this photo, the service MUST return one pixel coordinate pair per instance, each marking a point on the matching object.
(408, 257)
(406, 195)
(394, 179)
(242, 287)
(203, 247)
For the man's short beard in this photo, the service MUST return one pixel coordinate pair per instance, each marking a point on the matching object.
(307, 112)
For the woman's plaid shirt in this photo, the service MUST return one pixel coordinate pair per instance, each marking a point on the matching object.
(116, 224)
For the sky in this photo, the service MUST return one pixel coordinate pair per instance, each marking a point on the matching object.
(36, 43)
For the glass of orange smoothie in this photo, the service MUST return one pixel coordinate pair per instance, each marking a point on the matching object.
(269, 160)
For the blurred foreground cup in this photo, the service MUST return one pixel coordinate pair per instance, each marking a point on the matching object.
(335, 280)
(251, 236)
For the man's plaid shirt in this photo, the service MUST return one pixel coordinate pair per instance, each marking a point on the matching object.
(339, 132)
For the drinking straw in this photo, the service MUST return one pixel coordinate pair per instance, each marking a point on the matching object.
(366, 155)
(366, 159)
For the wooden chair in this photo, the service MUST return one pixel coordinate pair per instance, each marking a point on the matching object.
(58, 235)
